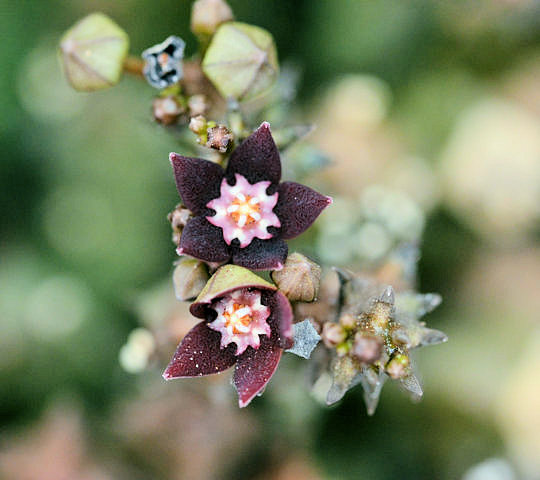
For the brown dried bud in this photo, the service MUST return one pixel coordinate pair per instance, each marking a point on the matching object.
(367, 348)
(219, 138)
(197, 124)
(208, 15)
(197, 104)
(398, 366)
(299, 278)
(167, 109)
(189, 278)
(178, 218)
(333, 334)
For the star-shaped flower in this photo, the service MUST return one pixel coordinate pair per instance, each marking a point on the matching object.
(247, 322)
(243, 214)
(163, 62)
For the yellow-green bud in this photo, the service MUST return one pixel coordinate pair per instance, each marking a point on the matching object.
(93, 52)
(241, 61)
(398, 366)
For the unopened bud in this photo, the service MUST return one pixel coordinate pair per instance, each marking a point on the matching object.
(189, 278)
(241, 61)
(347, 321)
(93, 52)
(197, 104)
(333, 334)
(219, 138)
(178, 218)
(208, 15)
(167, 109)
(198, 125)
(400, 336)
(367, 348)
(397, 367)
(380, 314)
(299, 278)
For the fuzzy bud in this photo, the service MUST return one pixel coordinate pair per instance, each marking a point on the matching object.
(189, 278)
(398, 366)
(197, 105)
(241, 61)
(367, 348)
(93, 52)
(167, 109)
(219, 138)
(299, 278)
(347, 321)
(333, 334)
(208, 15)
(178, 218)
(198, 124)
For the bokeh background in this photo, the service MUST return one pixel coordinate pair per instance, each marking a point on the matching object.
(432, 106)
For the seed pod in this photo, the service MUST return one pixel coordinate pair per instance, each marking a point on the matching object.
(299, 279)
(189, 278)
(93, 52)
(241, 61)
(208, 15)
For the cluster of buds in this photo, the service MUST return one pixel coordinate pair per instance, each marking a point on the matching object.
(373, 337)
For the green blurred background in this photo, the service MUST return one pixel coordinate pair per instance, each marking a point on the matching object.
(437, 100)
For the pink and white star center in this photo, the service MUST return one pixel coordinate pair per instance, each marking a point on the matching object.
(244, 211)
(241, 318)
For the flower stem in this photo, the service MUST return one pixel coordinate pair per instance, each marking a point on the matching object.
(134, 65)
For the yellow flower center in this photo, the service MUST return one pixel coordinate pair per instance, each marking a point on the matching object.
(244, 210)
(239, 318)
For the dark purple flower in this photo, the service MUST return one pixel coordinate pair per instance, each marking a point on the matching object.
(247, 322)
(243, 214)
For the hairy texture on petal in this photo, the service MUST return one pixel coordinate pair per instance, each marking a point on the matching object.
(262, 254)
(257, 158)
(281, 318)
(197, 181)
(297, 208)
(203, 241)
(254, 369)
(200, 354)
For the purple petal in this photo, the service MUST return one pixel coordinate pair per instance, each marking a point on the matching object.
(281, 318)
(204, 241)
(297, 208)
(199, 354)
(262, 254)
(257, 158)
(254, 369)
(197, 181)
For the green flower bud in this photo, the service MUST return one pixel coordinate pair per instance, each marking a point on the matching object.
(299, 278)
(189, 278)
(208, 15)
(93, 52)
(398, 366)
(241, 61)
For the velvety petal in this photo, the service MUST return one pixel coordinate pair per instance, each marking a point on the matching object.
(254, 369)
(280, 319)
(197, 181)
(257, 158)
(262, 254)
(297, 208)
(199, 354)
(202, 240)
